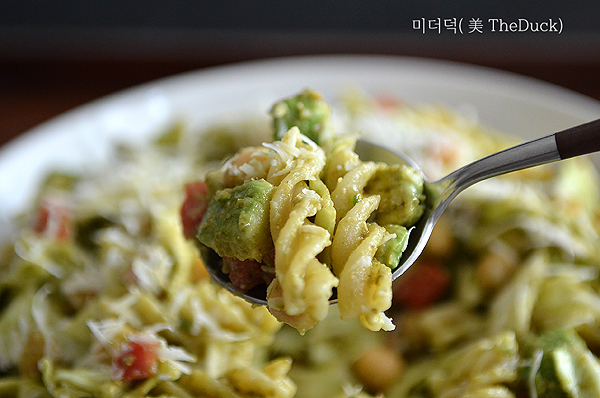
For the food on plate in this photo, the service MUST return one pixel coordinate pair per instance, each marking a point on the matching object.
(102, 294)
(303, 215)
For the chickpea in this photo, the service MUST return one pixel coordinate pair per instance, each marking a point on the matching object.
(411, 334)
(494, 270)
(377, 368)
(33, 352)
(441, 244)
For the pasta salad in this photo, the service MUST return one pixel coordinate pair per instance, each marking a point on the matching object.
(102, 294)
(303, 214)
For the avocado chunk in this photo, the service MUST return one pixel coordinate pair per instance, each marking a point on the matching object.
(565, 368)
(390, 252)
(236, 223)
(402, 197)
(307, 111)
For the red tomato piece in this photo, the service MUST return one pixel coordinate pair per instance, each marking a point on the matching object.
(426, 284)
(388, 102)
(41, 221)
(137, 360)
(244, 274)
(193, 207)
(53, 219)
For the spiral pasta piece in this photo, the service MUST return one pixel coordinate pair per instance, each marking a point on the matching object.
(292, 162)
(341, 158)
(298, 244)
(350, 188)
(364, 289)
(350, 231)
(297, 240)
(326, 215)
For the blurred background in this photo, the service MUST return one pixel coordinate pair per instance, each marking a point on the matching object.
(56, 55)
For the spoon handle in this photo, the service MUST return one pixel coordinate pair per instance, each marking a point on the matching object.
(578, 140)
(575, 141)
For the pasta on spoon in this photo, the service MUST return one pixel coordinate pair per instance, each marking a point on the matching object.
(303, 219)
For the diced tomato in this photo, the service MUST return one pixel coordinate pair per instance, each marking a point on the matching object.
(388, 102)
(41, 222)
(53, 219)
(447, 152)
(137, 360)
(245, 274)
(130, 278)
(194, 207)
(427, 282)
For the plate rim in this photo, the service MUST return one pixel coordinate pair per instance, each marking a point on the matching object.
(578, 102)
(327, 60)
(488, 80)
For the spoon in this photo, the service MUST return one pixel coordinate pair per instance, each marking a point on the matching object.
(572, 142)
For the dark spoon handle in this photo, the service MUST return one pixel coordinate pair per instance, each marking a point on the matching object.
(578, 140)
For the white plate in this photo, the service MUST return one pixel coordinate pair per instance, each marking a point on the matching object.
(510, 103)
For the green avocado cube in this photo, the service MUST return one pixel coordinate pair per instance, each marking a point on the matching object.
(390, 252)
(309, 112)
(236, 223)
(402, 195)
(565, 365)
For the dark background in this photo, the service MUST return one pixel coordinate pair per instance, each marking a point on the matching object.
(56, 55)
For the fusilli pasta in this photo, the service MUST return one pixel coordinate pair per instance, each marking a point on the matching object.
(323, 223)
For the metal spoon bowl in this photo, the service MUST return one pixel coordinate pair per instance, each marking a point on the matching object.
(575, 141)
